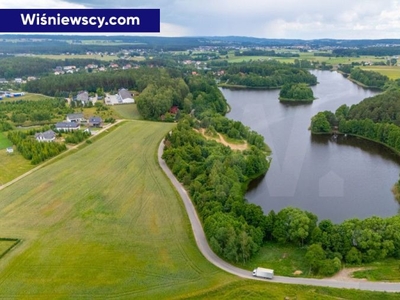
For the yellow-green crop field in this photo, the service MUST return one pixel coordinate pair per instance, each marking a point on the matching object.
(105, 223)
(307, 56)
(393, 72)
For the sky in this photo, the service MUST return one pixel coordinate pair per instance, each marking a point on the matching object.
(294, 19)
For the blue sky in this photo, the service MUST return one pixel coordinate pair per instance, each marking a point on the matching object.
(305, 19)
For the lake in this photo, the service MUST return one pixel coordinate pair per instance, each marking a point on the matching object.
(335, 179)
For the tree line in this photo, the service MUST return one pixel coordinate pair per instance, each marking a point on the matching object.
(371, 79)
(375, 51)
(11, 67)
(63, 86)
(271, 74)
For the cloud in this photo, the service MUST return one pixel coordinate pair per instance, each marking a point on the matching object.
(306, 19)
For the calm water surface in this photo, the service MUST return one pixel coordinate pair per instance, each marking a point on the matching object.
(335, 179)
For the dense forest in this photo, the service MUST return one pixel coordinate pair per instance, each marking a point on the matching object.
(216, 178)
(375, 51)
(11, 67)
(270, 74)
(63, 86)
(296, 92)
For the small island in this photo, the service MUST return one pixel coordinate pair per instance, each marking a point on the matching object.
(297, 92)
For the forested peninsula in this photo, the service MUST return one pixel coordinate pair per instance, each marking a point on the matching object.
(264, 75)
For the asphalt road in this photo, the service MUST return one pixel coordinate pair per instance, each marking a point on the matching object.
(214, 259)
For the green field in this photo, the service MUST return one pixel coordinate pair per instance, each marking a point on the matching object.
(11, 165)
(4, 141)
(6, 245)
(104, 222)
(393, 72)
(307, 56)
(127, 111)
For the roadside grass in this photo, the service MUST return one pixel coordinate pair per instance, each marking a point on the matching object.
(127, 111)
(283, 259)
(266, 290)
(11, 166)
(4, 141)
(393, 72)
(386, 270)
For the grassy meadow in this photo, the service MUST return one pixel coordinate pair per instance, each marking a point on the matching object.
(127, 111)
(386, 270)
(306, 56)
(4, 141)
(283, 259)
(12, 166)
(104, 222)
(393, 72)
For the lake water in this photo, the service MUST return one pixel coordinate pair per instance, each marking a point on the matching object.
(335, 179)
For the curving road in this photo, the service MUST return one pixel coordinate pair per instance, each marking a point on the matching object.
(214, 259)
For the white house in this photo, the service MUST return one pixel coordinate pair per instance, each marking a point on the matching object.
(67, 126)
(124, 96)
(10, 150)
(75, 118)
(47, 136)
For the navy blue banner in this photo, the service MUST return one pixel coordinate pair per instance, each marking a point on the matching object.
(79, 20)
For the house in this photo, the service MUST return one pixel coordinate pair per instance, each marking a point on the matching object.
(75, 118)
(67, 126)
(114, 65)
(66, 68)
(174, 110)
(47, 136)
(124, 96)
(83, 97)
(30, 78)
(91, 66)
(18, 80)
(3, 80)
(10, 150)
(95, 121)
